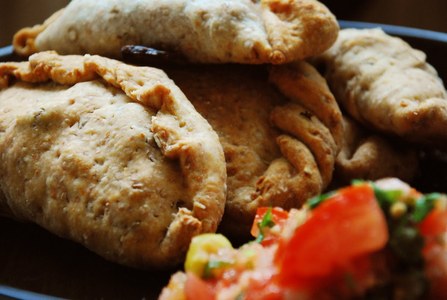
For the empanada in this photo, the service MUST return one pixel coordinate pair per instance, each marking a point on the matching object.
(385, 84)
(369, 156)
(109, 155)
(211, 31)
(280, 130)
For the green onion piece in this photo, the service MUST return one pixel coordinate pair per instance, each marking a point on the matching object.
(213, 265)
(386, 197)
(355, 182)
(241, 296)
(267, 221)
(260, 237)
(424, 205)
(317, 200)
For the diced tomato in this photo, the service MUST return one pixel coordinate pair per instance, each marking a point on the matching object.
(435, 252)
(435, 223)
(345, 226)
(436, 270)
(263, 289)
(198, 289)
(278, 216)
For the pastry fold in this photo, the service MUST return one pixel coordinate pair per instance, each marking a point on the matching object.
(280, 129)
(211, 31)
(109, 155)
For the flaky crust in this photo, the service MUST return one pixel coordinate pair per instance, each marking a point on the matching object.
(279, 150)
(109, 155)
(213, 31)
(369, 156)
(385, 84)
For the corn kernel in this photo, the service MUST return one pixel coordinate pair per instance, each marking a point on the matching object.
(398, 209)
(200, 249)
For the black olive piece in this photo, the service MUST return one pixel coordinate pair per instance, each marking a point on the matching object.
(141, 55)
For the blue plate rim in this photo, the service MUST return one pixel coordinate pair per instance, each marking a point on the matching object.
(403, 31)
(17, 293)
(5, 51)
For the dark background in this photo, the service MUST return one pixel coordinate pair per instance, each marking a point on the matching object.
(426, 14)
(22, 13)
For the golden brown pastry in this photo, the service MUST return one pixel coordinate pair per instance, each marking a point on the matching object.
(109, 155)
(280, 141)
(369, 156)
(211, 31)
(384, 83)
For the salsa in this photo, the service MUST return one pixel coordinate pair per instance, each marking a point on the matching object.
(370, 240)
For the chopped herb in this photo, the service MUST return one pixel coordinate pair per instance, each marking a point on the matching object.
(267, 221)
(424, 205)
(213, 265)
(317, 200)
(260, 237)
(405, 240)
(241, 296)
(386, 198)
(355, 182)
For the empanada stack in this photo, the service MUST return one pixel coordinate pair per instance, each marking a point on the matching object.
(122, 162)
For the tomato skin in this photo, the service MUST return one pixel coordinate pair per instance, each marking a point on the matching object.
(435, 223)
(198, 289)
(432, 228)
(345, 226)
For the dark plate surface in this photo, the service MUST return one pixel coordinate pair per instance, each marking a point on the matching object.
(34, 264)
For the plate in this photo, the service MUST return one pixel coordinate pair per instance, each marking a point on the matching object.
(38, 265)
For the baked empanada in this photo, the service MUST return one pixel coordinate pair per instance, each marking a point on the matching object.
(211, 31)
(369, 156)
(280, 130)
(109, 155)
(385, 84)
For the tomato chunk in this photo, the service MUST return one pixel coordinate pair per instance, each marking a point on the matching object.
(345, 226)
(198, 289)
(262, 288)
(435, 223)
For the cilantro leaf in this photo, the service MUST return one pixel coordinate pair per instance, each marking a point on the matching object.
(424, 206)
(386, 197)
(266, 222)
(317, 200)
(213, 265)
